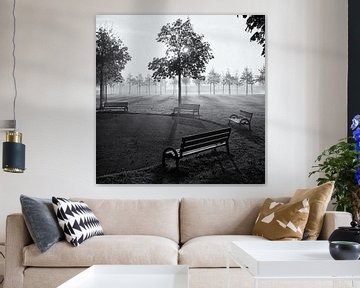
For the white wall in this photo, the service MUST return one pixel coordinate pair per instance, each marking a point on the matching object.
(306, 93)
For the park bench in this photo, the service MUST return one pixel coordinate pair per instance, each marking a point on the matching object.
(243, 118)
(192, 108)
(194, 144)
(122, 106)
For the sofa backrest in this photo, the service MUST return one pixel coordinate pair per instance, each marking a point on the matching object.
(200, 217)
(159, 217)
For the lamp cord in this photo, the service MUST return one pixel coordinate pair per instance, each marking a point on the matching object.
(14, 61)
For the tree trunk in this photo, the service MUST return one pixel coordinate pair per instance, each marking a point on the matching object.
(179, 89)
(101, 92)
(247, 88)
(129, 89)
(199, 89)
(237, 89)
(252, 91)
(106, 93)
(210, 88)
(355, 202)
(214, 87)
(229, 88)
(223, 88)
(186, 89)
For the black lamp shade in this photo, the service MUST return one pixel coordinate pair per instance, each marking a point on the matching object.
(13, 157)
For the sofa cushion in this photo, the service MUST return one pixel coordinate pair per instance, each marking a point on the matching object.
(211, 251)
(158, 217)
(279, 221)
(200, 217)
(107, 249)
(319, 198)
(77, 220)
(41, 221)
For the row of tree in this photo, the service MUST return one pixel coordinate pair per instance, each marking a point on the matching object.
(213, 79)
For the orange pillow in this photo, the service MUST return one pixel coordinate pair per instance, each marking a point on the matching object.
(319, 198)
(279, 221)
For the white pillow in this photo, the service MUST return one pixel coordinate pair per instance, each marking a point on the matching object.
(76, 220)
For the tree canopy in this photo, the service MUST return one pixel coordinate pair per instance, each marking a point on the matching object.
(257, 23)
(186, 53)
(111, 58)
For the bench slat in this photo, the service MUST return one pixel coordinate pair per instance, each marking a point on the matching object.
(203, 139)
(207, 143)
(204, 148)
(202, 135)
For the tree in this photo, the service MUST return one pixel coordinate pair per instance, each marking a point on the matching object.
(223, 82)
(111, 58)
(256, 22)
(213, 79)
(228, 80)
(186, 53)
(198, 83)
(238, 82)
(246, 77)
(130, 80)
(155, 83)
(139, 81)
(260, 78)
(251, 82)
(186, 81)
(147, 82)
(173, 83)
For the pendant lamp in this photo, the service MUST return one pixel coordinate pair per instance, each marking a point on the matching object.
(13, 160)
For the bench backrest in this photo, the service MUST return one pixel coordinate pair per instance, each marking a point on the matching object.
(190, 106)
(193, 142)
(245, 114)
(116, 104)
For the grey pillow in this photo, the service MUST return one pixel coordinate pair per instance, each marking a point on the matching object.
(41, 221)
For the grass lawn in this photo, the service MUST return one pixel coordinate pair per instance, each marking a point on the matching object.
(130, 145)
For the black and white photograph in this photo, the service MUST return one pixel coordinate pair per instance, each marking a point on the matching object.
(180, 99)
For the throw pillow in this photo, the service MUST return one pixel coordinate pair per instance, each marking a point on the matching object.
(279, 221)
(319, 198)
(41, 222)
(77, 220)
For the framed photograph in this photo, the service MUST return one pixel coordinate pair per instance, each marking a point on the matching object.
(180, 99)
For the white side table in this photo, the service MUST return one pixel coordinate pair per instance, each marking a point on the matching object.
(131, 276)
(287, 261)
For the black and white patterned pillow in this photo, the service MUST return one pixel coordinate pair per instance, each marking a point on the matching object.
(77, 220)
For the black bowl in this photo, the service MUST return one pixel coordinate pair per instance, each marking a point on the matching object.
(344, 250)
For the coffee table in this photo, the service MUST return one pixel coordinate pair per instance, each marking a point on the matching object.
(131, 276)
(292, 260)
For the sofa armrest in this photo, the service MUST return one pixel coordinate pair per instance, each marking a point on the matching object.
(333, 220)
(17, 237)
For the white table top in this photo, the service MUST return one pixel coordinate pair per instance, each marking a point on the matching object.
(291, 259)
(131, 276)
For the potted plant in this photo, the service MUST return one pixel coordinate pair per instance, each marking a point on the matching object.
(341, 163)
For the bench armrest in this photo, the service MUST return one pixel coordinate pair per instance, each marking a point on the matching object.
(332, 220)
(17, 237)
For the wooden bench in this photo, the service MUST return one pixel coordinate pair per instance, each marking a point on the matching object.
(192, 108)
(122, 106)
(198, 143)
(244, 118)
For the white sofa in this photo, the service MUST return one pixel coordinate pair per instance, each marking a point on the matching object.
(194, 232)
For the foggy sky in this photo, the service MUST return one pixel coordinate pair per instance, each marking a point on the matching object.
(226, 34)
